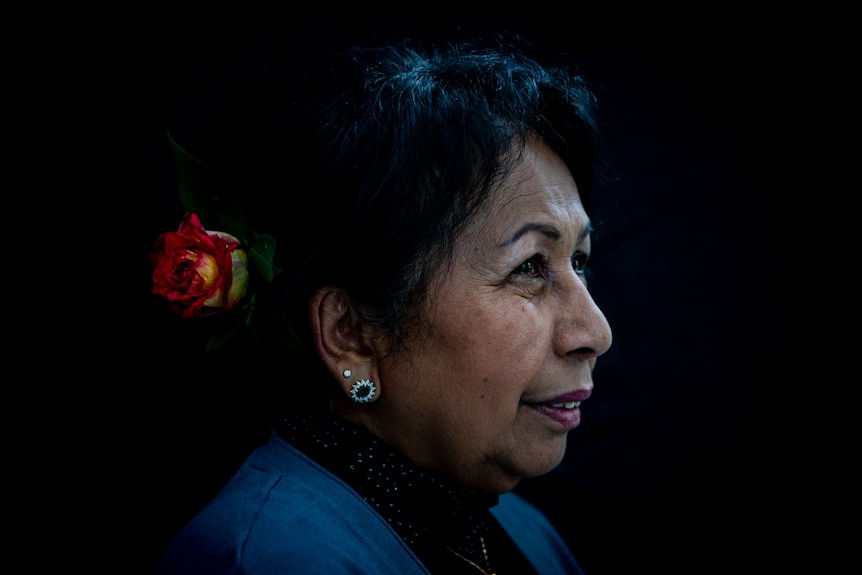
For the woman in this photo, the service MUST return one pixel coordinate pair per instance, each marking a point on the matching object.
(435, 277)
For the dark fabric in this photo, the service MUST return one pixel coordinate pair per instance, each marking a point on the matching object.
(425, 510)
(282, 512)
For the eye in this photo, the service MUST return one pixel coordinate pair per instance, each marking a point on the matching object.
(533, 267)
(579, 262)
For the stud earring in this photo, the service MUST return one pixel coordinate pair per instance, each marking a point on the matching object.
(347, 373)
(363, 391)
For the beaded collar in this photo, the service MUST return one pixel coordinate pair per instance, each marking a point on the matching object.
(424, 509)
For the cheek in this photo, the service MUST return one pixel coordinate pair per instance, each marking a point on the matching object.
(500, 345)
(513, 330)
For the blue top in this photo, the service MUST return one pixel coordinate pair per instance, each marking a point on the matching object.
(283, 513)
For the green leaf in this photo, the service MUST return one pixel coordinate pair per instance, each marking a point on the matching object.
(262, 253)
(219, 338)
(198, 186)
(234, 221)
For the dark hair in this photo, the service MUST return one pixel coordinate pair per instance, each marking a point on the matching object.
(379, 156)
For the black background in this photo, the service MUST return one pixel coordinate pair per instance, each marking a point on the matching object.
(679, 465)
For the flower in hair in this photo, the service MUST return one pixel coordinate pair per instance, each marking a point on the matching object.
(199, 272)
(214, 261)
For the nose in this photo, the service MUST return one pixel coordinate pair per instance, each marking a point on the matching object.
(583, 331)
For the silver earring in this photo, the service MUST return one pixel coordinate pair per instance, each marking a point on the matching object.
(347, 373)
(363, 391)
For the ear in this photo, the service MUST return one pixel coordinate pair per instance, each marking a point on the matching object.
(339, 339)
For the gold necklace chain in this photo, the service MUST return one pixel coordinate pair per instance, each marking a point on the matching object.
(484, 552)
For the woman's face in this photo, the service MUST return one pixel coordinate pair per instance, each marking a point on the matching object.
(489, 389)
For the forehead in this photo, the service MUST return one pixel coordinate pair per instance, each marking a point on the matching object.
(539, 189)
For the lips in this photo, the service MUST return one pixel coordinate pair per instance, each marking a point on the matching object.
(573, 397)
(563, 409)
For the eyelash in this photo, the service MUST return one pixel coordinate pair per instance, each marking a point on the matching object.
(579, 263)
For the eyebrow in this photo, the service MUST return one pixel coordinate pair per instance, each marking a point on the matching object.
(546, 230)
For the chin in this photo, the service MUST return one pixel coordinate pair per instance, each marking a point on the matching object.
(547, 468)
(530, 466)
(543, 461)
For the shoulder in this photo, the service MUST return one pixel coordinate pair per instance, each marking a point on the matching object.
(535, 536)
(283, 510)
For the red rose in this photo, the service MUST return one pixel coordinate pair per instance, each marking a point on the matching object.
(199, 272)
